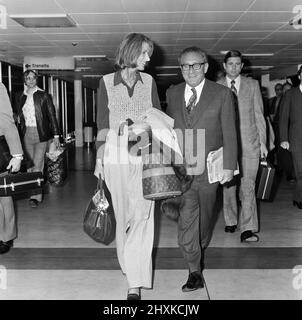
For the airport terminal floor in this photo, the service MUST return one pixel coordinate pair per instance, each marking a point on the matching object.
(53, 259)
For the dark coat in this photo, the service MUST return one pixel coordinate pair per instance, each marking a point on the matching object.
(45, 112)
(290, 122)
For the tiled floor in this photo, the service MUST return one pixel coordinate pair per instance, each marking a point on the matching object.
(37, 269)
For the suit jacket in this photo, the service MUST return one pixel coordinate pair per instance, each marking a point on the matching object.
(7, 124)
(291, 119)
(214, 116)
(252, 125)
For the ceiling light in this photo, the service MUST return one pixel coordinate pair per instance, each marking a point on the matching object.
(259, 67)
(167, 74)
(43, 20)
(92, 75)
(252, 54)
(167, 67)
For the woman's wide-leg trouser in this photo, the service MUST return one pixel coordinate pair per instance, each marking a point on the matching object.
(134, 215)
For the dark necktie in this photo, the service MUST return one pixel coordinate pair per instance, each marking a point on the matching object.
(192, 100)
(233, 88)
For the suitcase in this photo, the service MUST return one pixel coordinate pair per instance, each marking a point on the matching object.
(264, 181)
(11, 184)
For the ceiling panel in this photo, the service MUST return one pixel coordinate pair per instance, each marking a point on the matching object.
(65, 36)
(155, 27)
(264, 17)
(219, 5)
(154, 5)
(259, 26)
(255, 26)
(31, 6)
(274, 5)
(268, 47)
(88, 6)
(157, 17)
(219, 26)
(198, 17)
(247, 34)
(92, 18)
(99, 28)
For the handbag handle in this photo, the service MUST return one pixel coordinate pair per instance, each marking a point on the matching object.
(99, 185)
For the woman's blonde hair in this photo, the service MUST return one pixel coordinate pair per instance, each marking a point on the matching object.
(130, 49)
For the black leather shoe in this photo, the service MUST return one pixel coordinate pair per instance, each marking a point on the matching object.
(33, 203)
(134, 296)
(297, 204)
(249, 236)
(5, 246)
(230, 229)
(194, 282)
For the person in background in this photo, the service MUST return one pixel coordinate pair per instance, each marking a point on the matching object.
(127, 94)
(252, 146)
(290, 124)
(204, 114)
(37, 125)
(274, 104)
(284, 157)
(8, 128)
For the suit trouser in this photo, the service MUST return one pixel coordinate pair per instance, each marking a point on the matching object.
(297, 160)
(7, 219)
(134, 220)
(36, 151)
(248, 219)
(195, 221)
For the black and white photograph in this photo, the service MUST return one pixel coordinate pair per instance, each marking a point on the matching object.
(151, 150)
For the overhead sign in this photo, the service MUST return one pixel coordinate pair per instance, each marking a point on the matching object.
(49, 63)
(3, 23)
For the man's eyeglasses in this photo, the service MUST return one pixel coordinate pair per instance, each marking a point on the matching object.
(194, 66)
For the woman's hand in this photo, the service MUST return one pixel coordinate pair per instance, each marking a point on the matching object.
(56, 142)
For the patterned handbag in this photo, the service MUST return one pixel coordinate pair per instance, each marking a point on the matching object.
(159, 179)
(99, 221)
(56, 167)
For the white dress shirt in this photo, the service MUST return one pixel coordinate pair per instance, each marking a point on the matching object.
(237, 83)
(188, 92)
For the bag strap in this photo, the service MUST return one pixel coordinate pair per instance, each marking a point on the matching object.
(99, 185)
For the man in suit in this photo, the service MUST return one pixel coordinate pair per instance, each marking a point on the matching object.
(251, 129)
(204, 121)
(9, 130)
(291, 133)
(274, 102)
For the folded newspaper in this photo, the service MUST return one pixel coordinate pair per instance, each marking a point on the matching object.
(215, 165)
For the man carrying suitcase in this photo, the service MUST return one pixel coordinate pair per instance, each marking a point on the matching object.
(8, 129)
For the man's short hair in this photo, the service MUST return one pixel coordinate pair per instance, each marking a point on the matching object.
(232, 54)
(194, 50)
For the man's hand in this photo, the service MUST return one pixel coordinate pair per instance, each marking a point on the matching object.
(263, 151)
(284, 145)
(14, 164)
(227, 176)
